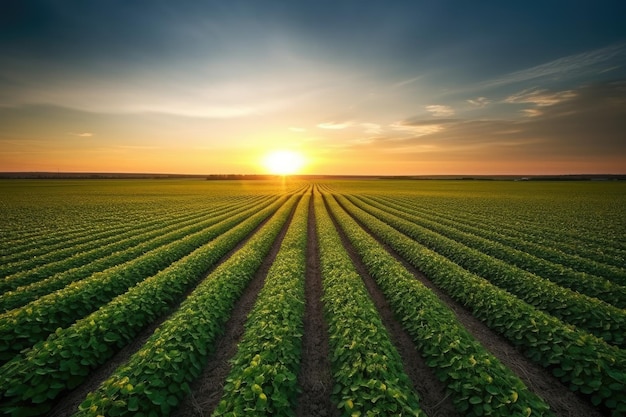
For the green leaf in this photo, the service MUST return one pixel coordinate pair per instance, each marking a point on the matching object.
(133, 403)
(475, 400)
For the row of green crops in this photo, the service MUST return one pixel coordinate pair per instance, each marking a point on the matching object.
(580, 360)
(566, 270)
(38, 217)
(42, 217)
(527, 240)
(591, 314)
(479, 383)
(583, 218)
(262, 380)
(157, 377)
(367, 369)
(63, 361)
(21, 328)
(135, 247)
(33, 244)
(39, 243)
(77, 253)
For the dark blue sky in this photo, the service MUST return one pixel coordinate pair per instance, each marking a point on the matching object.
(425, 86)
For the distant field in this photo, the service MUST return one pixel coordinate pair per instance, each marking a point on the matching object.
(312, 297)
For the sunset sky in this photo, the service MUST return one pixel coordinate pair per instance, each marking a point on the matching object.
(357, 87)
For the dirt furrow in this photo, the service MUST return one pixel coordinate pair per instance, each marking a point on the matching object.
(562, 401)
(433, 397)
(315, 377)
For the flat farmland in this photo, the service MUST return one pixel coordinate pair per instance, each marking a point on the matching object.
(312, 298)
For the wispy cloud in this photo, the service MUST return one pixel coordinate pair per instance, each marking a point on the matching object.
(566, 66)
(334, 125)
(540, 97)
(532, 112)
(479, 102)
(217, 112)
(439, 110)
(406, 82)
(82, 135)
(417, 130)
(362, 141)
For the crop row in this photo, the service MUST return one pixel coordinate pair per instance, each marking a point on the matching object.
(263, 376)
(31, 242)
(43, 257)
(157, 377)
(591, 314)
(141, 244)
(529, 254)
(367, 369)
(21, 328)
(53, 261)
(63, 361)
(49, 259)
(41, 240)
(533, 235)
(76, 256)
(580, 360)
(479, 383)
(98, 220)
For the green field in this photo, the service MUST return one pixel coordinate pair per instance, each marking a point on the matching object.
(417, 297)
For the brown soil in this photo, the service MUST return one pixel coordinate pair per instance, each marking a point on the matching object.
(315, 377)
(207, 390)
(434, 400)
(68, 404)
(562, 401)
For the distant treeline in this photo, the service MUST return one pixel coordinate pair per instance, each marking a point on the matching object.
(122, 175)
(219, 177)
(573, 177)
(88, 175)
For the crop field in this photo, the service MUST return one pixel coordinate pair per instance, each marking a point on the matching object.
(312, 298)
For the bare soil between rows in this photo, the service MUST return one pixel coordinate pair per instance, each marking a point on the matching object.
(315, 376)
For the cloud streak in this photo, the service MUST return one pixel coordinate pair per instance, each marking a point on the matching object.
(439, 110)
(417, 130)
(334, 125)
(568, 66)
(540, 97)
(479, 102)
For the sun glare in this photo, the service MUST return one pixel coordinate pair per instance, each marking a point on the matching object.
(283, 162)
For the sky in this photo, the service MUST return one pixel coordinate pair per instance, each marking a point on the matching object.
(357, 87)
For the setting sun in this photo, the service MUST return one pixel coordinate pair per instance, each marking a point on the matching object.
(283, 162)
